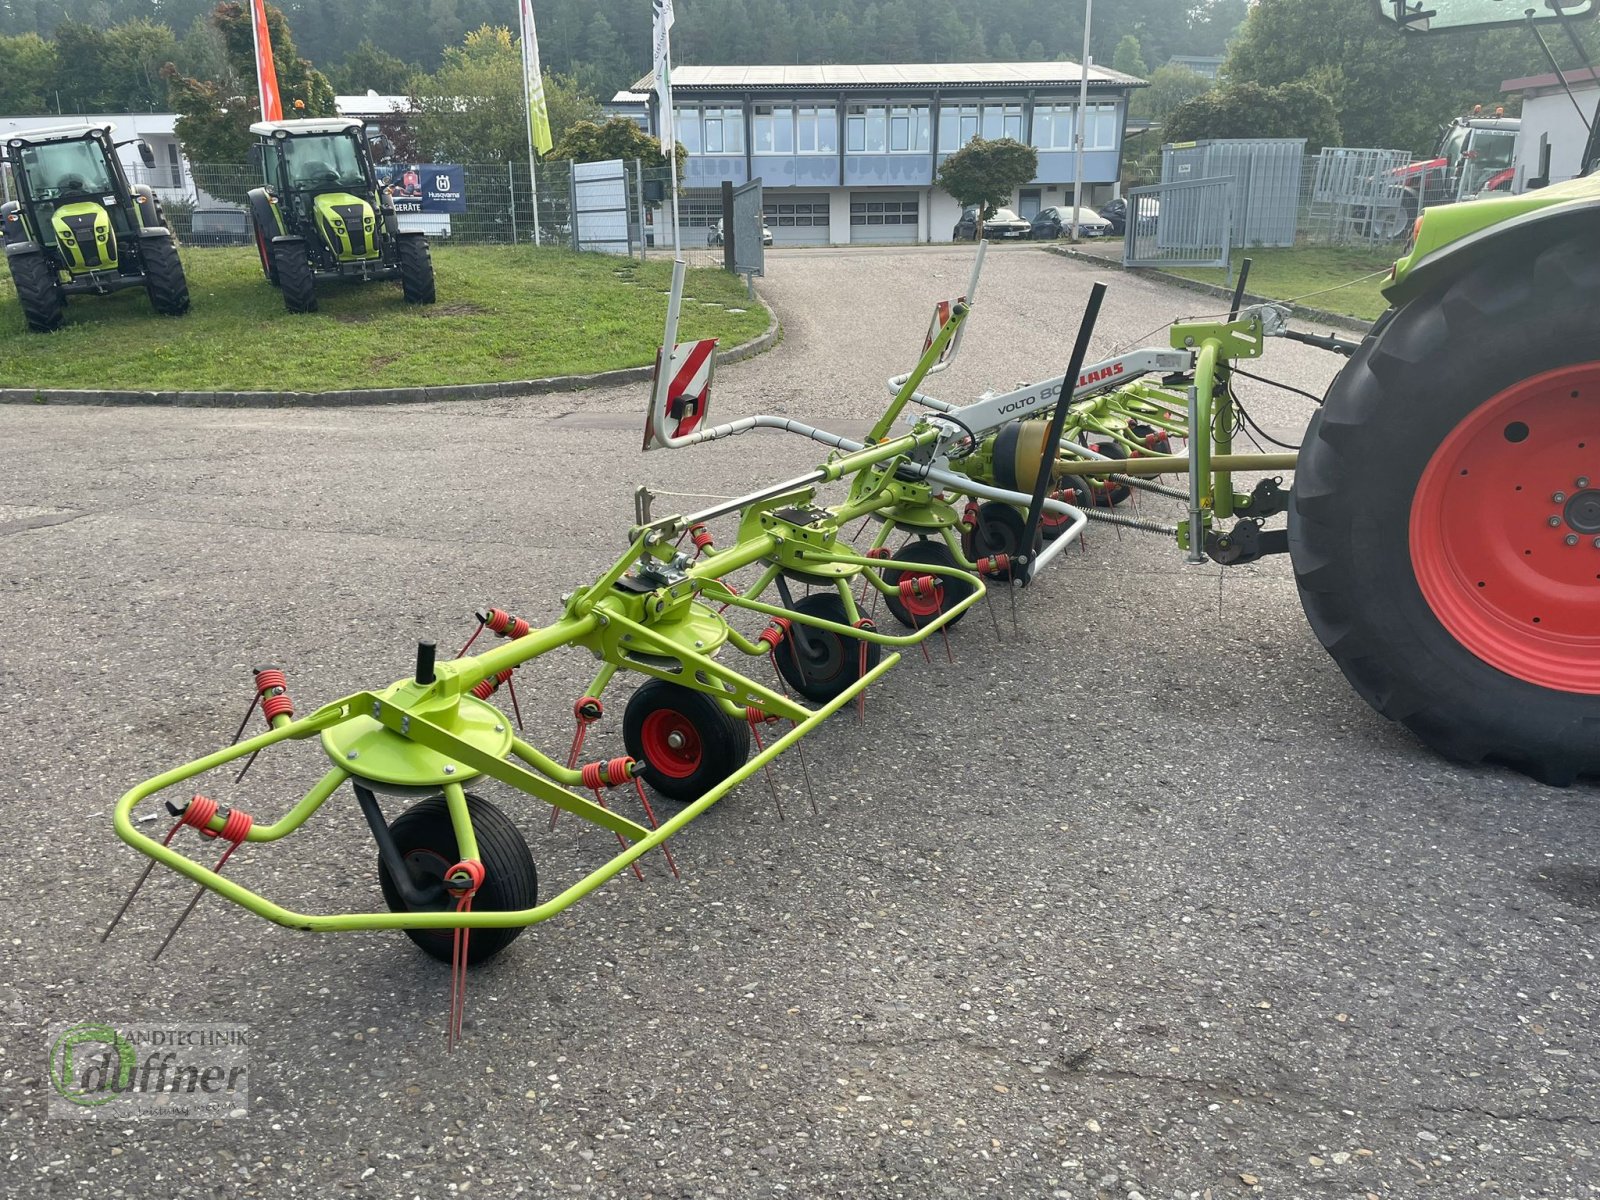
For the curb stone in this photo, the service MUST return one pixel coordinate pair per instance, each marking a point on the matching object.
(1319, 315)
(374, 396)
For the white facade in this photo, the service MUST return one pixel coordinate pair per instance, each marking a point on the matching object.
(1549, 117)
(849, 154)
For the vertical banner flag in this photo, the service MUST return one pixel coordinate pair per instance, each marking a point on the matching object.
(533, 83)
(662, 63)
(266, 72)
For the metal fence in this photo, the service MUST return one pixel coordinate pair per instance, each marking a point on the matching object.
(501, 206)
(1353, 197)
(1186, 224)
(1267, 173)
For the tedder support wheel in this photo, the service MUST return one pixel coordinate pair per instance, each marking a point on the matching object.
(427, 842)
(416, 269)
(1445, 525)
(43, 305)
(999, 531)
(298, 284)
(164, 281)
(926, 550)
(829, 662)
(687, 739)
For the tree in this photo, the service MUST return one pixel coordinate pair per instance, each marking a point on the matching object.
(986, 173)
(1170, 88)
(617, 138)
(1128, 59)
(1387, 90)
(367, 68)
(471, 110)
(1247, 110)
(27, 71)
(214, 116)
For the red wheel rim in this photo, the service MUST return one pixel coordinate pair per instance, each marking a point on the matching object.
(671, 743)
(1505, 531)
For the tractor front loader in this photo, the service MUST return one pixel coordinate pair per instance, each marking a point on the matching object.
(321, 214)
(79, 228)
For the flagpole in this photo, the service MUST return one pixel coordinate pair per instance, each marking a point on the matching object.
(672, 154)
(531, 69)
(533, 184)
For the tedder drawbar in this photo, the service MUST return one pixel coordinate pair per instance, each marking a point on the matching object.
(978, 495)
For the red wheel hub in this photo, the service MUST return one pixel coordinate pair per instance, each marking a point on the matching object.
(1505, 530)
(671, 743)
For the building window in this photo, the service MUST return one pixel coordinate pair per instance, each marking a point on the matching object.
(886, 129)
(1100, 130)
(960, 123)
(786, 215)
(784, 129)
(883, 212)
(1052, 126)
(710, 130)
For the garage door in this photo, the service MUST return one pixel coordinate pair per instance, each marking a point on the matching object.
(883, 216)
(800, 219)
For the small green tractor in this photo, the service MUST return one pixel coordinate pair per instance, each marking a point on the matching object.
(78, 227)
(322, 214)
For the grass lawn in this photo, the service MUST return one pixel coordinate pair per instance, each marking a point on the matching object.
(1290, 274)
(503, 313)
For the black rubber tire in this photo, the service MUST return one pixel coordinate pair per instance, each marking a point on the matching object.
(999, 531)
(43, 305)
(427, 842)
(832, 661)
(926, 550)
(723, 739)
(164, 281)
(1424, 369)
(295, 279)
(416, 269)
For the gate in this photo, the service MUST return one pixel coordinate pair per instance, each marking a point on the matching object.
(1186, 224)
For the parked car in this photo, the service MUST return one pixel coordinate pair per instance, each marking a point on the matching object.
(714, 234)
(1004, 224)
(1117, 213)
(218, 227)
(1052, 223)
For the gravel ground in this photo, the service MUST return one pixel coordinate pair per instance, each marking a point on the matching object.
(1142, 902)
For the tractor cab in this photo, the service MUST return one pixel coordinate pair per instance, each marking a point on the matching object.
(78, 226)
(321, 214)
(73, 197)
(320, 175)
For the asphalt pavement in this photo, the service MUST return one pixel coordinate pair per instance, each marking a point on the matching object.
(1135, 899)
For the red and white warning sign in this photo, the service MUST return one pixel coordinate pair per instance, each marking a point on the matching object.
(941, 318)
(689, 378)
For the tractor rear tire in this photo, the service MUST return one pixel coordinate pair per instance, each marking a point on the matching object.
(427, 842)
(295, 279)
(43, 305)
(1445, 519)
(164, 281)
(416, 269)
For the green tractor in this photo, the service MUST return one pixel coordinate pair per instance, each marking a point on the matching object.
(79, 228)
(322, 214)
